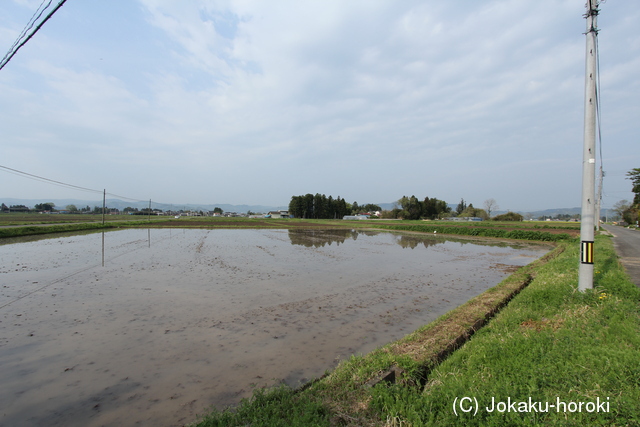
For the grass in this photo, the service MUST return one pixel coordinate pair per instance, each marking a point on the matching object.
(488, 229)
(550, 342)
(37, 218)
(30, 230)
(43, 224)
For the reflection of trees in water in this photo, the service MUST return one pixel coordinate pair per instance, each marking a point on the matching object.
(320, 238)
(411, 241)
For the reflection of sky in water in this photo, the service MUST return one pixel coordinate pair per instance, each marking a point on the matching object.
(178, 320)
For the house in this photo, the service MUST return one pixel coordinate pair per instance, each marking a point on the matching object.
(464, 218)
(277, 214)
(355, 217)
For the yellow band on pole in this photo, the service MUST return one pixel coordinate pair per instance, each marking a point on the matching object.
(586, 252)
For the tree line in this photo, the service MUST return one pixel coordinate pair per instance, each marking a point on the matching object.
(630, 212)
(413, 208)
(319, 206)
(51, 207)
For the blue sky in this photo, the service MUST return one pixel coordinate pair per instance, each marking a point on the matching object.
(252, 102)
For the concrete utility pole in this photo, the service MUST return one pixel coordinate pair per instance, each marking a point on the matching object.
(599, 197)
(587, 224)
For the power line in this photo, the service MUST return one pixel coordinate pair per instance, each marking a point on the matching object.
(41, 178)
(63, 184)
(29, 26)
(18, 44)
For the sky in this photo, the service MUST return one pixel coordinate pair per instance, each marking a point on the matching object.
(253, 102)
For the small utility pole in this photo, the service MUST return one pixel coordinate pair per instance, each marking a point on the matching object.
(587, 224)
(104, 201)
(599, 197)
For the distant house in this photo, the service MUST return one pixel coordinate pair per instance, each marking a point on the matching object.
(355, 217)
(277, 214)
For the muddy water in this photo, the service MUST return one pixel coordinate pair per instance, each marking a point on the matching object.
(177, 321)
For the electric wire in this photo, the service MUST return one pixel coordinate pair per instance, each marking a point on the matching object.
(29, 26)
(71, 186)
(598, 106)
(41, 178)
(15, 50)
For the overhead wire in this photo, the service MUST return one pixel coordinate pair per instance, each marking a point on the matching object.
(41, 178)
(36, 15)
(598, 106)
(17, 47)
(71, 186)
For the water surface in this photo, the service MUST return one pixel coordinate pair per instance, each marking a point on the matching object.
(177, 321)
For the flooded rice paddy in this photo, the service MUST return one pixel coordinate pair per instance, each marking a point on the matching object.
(178, 321)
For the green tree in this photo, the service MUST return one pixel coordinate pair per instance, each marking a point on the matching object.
(620, 207)
(370, 207)
(217, 210)
(355, 209)
(320, 208)
(461, 207)
(433, 208)
(71, 208)
(634, 176)
(509, 216)
(41, 207)
(470, 211)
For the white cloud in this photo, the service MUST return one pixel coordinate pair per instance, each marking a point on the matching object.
(324, 92)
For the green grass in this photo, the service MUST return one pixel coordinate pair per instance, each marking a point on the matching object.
(485, 230)
(550, 342)
(37, 218)
(30, 230)
(280, 406)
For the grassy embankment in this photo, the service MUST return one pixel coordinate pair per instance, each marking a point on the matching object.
(31, 230)
(550, 342)
(30, 224)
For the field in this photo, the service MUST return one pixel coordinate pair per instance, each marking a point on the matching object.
(13, 225)
(552, 356)
(36, 218)
(549, 344)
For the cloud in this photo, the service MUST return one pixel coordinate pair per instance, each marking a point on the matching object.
(326, 93)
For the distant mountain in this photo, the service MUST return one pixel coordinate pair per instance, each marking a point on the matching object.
(119, 204)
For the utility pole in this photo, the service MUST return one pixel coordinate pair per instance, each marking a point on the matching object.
(587, 224)
(599, 197)
(104, 201)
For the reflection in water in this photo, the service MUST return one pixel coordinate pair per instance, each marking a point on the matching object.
(320, 238)
(412, 241)
(161, 332)
(323, 237)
